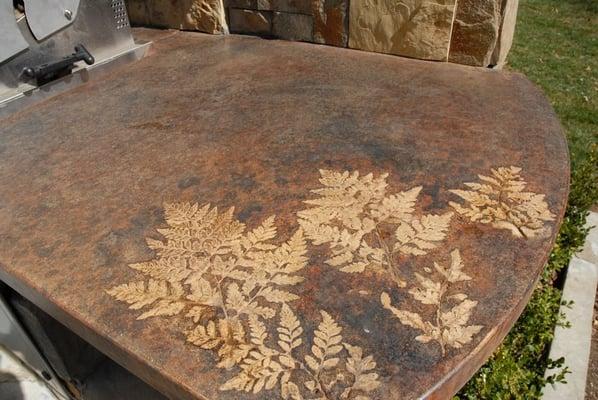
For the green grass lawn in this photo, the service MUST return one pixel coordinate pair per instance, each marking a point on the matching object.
(556, 46)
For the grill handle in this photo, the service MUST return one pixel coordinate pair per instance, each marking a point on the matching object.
(64, 65)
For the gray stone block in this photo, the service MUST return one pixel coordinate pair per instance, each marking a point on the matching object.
(245, 4)
(290, 6)
(293, 26)
(250, 21)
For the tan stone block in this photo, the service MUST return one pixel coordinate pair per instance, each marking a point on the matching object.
(204, 16)
(412, 28)
(198, 15)
(331, 22)
(475, 32)
(293, 26)
(250, 21)
(507, 31)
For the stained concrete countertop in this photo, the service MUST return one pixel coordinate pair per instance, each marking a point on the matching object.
(237, 218)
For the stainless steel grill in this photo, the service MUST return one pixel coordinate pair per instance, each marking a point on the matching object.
(36, 34)
(120, 14)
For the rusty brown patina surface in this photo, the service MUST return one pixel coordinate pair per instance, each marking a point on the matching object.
(242, 122)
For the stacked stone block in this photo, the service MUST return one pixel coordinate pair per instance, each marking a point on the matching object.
(472, 32)
(283, 19)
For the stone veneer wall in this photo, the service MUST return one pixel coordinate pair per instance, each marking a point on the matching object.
(472, 32)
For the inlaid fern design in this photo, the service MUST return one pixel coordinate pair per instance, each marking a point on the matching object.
(230, 282)
(367, 228)
(448, 325)
(333, 370)
(500, 200)
(208, 263)
(231, 286)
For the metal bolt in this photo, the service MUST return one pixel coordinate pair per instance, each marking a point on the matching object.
(68, 14)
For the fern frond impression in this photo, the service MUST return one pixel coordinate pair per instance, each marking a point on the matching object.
(231, 282)
(500, 200)
(448, 327)
(367, 228)
(209, 261)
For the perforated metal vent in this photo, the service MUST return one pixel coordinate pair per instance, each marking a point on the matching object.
(120, 14)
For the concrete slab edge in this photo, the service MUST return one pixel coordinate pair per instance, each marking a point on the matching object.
(574, 343)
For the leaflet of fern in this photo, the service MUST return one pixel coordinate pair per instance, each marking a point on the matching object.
(500, 200)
